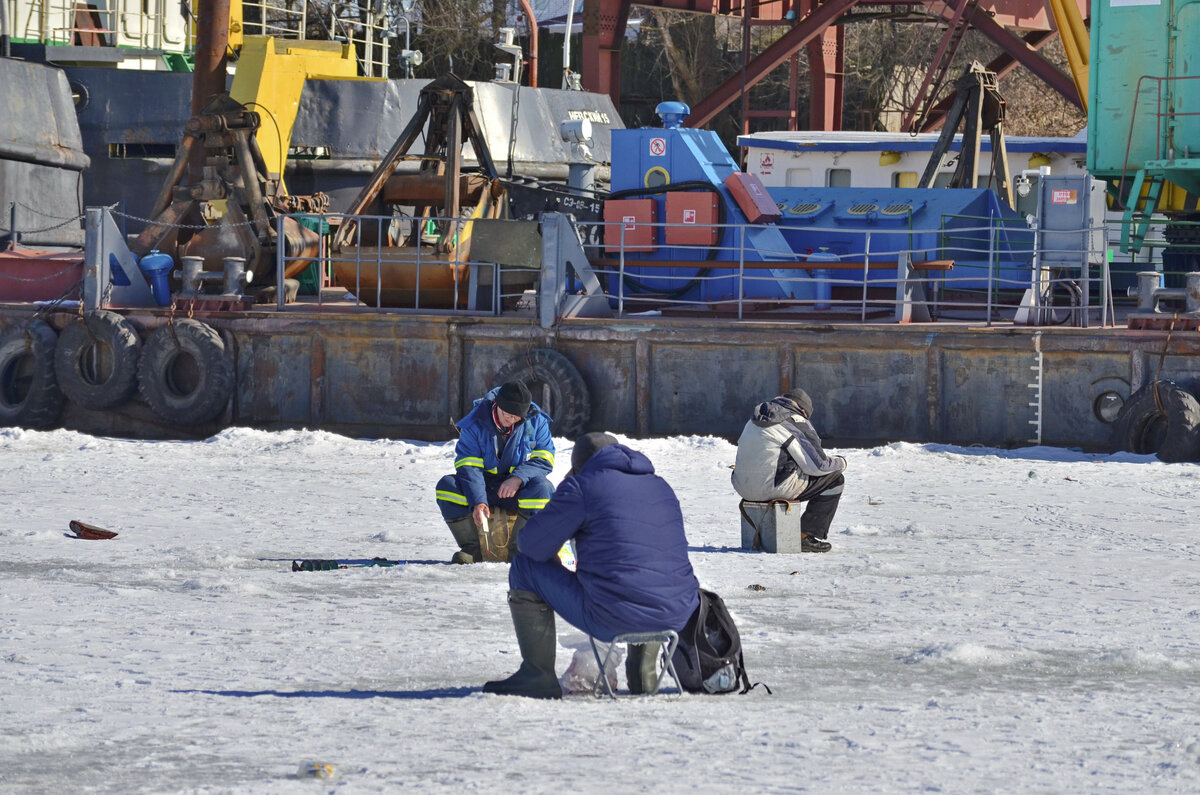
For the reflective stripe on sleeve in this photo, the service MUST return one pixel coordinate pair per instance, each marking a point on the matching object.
(451, 497)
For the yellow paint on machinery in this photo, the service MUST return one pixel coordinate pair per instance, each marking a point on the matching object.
(270, 76)
(1076, 43)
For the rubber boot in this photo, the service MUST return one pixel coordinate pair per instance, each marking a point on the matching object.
(512, 535)
(533, 621)
(463, 530)
(641, 667)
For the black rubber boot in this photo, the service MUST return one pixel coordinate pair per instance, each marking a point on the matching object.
(463, 530)
(533, 621)
(641, 667)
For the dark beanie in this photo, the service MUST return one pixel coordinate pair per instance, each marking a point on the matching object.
(586, 446)
(514, 398)
(802, 401)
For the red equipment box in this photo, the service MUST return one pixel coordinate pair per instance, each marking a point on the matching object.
(752, 197)
(697, 211)
(631, 221)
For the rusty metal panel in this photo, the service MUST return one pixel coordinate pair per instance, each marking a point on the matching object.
(381, 374)
(385, 381)
(863, 394)
(709, 389)
(608, 370)
(274, 379)
(1072, 383)
(985, 397)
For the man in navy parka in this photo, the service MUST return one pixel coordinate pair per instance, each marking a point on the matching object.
(632, 572)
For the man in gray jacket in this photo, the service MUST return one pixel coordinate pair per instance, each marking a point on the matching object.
(779, 457)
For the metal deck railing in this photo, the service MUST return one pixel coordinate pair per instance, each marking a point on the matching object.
(984, 271)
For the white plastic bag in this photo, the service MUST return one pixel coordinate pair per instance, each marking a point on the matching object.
(581, 675)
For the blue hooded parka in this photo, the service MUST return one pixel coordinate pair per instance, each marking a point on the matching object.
(633, 568)
(483, 458)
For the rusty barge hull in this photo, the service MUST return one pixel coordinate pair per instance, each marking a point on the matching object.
(410, 376)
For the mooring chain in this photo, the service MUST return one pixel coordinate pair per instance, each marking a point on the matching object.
(45, 228)
(79, 317)
(94, 348)
(1161, 357)
(54, 275)
(45, 214)
(46, 309)
(171, 326)
(165, 225)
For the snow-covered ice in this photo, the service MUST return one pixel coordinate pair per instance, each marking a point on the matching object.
(988, 620)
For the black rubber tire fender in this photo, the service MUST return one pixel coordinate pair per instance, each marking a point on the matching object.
(557, 387)
(185, 373)
(1171, 431)
(29, 393)
(96, 361)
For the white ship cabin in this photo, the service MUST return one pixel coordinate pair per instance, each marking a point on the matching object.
(124, 27)
(891, 160)
(160, 34)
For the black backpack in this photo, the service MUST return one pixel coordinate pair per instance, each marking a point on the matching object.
(708, 658)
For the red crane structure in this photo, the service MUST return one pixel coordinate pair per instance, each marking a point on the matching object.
(1018, 27)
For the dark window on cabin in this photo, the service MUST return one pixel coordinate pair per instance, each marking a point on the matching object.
(137, 151)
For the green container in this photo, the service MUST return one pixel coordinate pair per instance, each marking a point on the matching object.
(1133, 42)
(310, 277)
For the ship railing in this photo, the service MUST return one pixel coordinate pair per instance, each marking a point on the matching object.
(68, 23)
(1170, 139)
(996, 268)
(1172, 248)
(969, 270)
(124, 24)
(411, 264)
(359, 24)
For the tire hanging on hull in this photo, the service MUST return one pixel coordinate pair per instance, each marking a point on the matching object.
(556, 386)
(29, 393)
(185, 373)
(1160, 418)
(96, 361)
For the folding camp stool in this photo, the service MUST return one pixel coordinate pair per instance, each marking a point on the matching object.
(668, 638)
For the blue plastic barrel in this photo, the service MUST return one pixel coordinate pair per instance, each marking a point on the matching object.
(157, 266)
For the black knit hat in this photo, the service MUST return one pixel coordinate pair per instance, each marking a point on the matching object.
(514, 398)
(801, 399)
(586, 446)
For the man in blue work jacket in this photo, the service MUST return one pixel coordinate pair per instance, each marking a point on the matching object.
(632, 575)
(502, 458)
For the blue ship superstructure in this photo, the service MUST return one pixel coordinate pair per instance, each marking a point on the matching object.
(674, 166)
(678, 196)
(970, 226)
